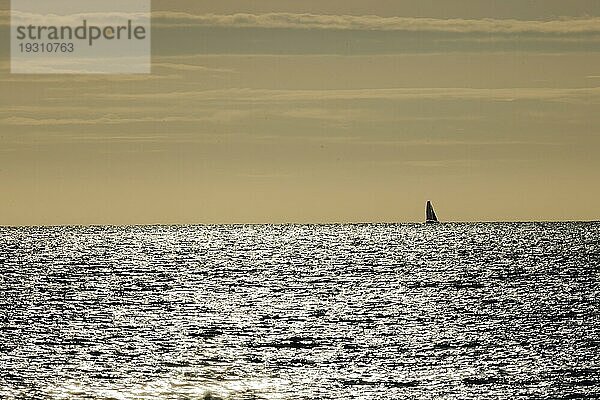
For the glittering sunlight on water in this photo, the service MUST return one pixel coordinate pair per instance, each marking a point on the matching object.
(454, 311)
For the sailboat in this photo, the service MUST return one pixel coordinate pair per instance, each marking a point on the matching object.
(430, 217)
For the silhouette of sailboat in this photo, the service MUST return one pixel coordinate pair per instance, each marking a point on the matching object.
(430, 217)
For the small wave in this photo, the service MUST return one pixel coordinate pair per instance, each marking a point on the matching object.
(480, 380)
(467, 285)
(208, 333)
(577, 372)
(294, 342)
(389, 384)
(422, 285)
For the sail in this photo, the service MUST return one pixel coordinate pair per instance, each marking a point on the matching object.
(430, 213)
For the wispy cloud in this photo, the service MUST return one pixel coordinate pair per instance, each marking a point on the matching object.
(344, 22)
(4, 17)
(362, 34)
(270, 96)
(192, 67)
(373, 22)
(98, 18)
(27, 121)
(83, 78)
(215, 116)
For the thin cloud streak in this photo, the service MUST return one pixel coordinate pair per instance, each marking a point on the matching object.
(221, 116)
(268, 95)
(99, 18)
(192, 67)
(377, 23)
(165, 19)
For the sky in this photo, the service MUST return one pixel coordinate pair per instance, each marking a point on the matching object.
(280, 111)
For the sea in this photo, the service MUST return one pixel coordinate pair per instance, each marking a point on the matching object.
(358, 311)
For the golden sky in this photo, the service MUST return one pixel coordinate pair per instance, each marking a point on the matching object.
(317, 111)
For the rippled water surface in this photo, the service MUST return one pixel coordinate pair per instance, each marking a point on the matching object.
(453, 311)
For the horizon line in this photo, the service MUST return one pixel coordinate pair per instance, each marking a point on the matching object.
(91, 225)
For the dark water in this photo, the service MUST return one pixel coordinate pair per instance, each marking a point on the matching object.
(454, 311)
